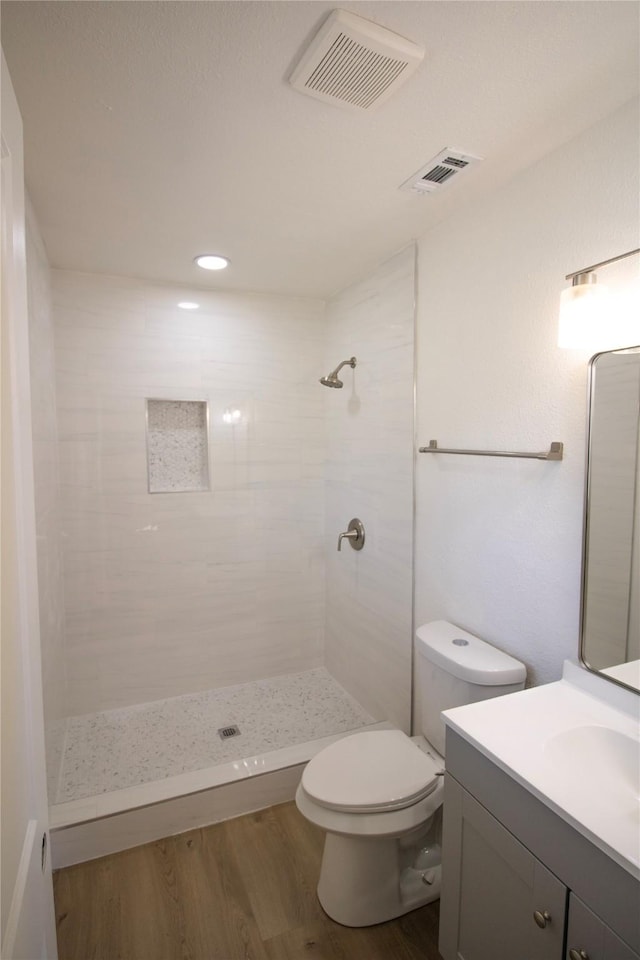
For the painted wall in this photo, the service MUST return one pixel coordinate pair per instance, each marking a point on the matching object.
(47, 498)
(370, 476)
(176, 592)
(498, 542)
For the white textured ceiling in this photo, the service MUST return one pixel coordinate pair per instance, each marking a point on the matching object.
(155, 131)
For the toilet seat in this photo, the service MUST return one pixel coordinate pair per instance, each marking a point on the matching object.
(370, 772)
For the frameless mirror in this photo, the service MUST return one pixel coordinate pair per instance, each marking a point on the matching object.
(610, 621)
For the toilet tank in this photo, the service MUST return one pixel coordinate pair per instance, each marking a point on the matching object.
(452, 668)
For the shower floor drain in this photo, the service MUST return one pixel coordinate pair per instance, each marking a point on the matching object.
(226, 732)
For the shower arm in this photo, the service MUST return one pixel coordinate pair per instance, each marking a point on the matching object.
(345, 363)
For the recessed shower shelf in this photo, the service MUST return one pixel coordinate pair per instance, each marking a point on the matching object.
(177, 446)
(555, 452)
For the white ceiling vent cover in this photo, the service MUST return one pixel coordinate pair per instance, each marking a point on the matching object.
(439, 171)
(353, 62)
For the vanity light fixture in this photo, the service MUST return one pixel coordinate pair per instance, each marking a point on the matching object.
(212, 261)
(583, 321)
(188, 305)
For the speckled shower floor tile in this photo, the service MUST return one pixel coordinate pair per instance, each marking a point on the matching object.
(150, 741)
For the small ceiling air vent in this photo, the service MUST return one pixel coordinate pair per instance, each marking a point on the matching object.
(448, 164)
(353, 62)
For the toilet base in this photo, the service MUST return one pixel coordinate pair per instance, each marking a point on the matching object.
(365, 880)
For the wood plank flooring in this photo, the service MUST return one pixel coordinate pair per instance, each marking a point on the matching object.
(239, 890)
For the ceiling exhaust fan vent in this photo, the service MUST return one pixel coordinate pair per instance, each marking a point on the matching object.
(448, 164)
(353, 62)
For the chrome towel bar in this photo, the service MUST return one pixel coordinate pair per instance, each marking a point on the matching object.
(554, 452)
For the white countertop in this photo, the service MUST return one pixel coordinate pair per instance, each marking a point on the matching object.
(573, 744)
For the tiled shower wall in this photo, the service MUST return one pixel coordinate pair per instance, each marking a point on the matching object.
(171, 593)
(370, 476)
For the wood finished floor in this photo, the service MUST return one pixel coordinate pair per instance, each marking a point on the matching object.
(239, 890)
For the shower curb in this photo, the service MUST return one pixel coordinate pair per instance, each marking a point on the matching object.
(96, 826)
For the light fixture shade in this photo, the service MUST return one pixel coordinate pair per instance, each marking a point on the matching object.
(591, 319)
(584, 317)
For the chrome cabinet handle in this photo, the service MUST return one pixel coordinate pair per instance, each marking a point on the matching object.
(542, 919)
(575, 954)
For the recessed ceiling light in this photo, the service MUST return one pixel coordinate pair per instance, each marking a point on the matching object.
(187, 305)
(211, 261)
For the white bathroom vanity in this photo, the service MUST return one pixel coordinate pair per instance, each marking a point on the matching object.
(541, 846)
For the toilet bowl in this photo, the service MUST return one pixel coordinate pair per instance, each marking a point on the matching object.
(378, 794)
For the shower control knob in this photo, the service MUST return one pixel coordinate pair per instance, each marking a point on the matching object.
(354, 534)
(578, 954)
(542, 919)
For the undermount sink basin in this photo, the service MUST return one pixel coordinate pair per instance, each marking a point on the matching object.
(575, 744)
(600, 760)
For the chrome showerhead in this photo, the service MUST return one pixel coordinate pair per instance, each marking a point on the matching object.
(332, 379)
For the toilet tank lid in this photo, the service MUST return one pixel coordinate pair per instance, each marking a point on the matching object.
(467, 657)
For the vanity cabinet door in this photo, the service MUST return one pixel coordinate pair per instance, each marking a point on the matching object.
(498, 901)
(588, 938)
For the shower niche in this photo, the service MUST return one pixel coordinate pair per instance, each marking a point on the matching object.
(177, 446)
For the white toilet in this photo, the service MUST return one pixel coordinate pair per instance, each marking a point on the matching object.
(378, 794)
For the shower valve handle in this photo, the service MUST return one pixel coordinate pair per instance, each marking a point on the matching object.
(350, 535)
(354, 534)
